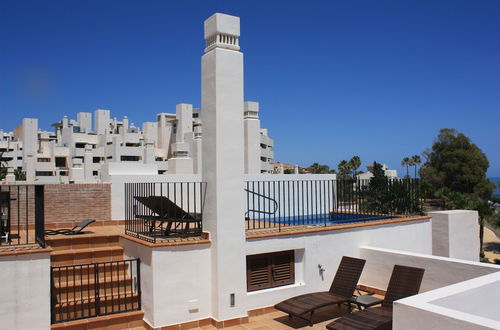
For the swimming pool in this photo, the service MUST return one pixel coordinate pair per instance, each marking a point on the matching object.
(322, 219)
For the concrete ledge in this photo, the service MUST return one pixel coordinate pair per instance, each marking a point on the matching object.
(470, 304)
(15, 250)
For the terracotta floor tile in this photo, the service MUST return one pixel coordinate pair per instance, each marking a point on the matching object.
(236, 327)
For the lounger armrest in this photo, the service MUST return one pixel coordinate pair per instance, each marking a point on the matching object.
(365, 291)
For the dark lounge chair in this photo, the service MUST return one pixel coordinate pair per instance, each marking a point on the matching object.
(405, 281)
(170, 212)
(341, 291)
(73, 231)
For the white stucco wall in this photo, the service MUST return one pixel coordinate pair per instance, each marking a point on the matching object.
(471, 304)
(25, 291)
(327, 248)
(455, 234)
(175, 282)
(439, 271)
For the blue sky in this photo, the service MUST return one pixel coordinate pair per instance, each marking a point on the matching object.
(334, 79)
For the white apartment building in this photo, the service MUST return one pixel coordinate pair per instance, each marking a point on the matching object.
(391, 174)
(78, 151)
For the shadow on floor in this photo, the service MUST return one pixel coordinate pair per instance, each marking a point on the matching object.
(323, 315)
(492, 247)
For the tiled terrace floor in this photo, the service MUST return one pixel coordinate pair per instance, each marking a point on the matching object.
(280, 321)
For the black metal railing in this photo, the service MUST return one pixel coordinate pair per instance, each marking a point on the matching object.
(160, 210)
(281, 203)
(22, 215)
(95, 289)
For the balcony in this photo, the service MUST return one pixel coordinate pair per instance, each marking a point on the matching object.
(268, 153)
(264, 139)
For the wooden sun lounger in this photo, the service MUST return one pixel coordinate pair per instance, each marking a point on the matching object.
(169, 212)
(341, 291)
(76, 230)
(405, 281)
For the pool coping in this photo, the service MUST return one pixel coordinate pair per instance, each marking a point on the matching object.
(334, 227)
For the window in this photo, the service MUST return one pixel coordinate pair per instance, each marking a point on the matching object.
(96, 160)
(80, 145)
(270, 270)
(43, 173)
(95, 173)
(130, 158)
(61, 162)
(43, 160)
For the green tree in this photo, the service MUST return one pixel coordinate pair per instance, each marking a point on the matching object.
(354, 164)
(455, 172)
(316, 168)
(3, 166)
(456, 163)
(20, 175)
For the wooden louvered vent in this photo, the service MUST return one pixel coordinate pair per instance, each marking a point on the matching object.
(270, 270)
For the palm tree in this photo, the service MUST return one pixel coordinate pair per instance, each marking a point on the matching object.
(406, 162)
(416, 160)
(344, 168)
(354, 164)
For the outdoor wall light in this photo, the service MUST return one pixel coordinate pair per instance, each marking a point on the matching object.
(321, 270)
(231, 300)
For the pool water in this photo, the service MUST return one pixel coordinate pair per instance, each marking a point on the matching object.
(325, 218)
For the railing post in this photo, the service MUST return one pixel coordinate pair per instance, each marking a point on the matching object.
(96, 290)
(39, 216)
(52, 296)
(138, 271)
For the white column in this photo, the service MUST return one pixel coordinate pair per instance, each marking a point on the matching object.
(222, 166)
(101, 121)
(252, 138)
(84, 120)
(87, 163)
(30, 147)
(182, 162)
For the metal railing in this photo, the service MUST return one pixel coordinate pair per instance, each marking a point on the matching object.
(160, 210)
(282, 203)
(95, 289)
(22, 215)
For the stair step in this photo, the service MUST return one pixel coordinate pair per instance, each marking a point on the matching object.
(126, 320)
(85, 270)
(86, 276)
(73, 309)
(87, 255)
(81, 289)
(82, 242)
